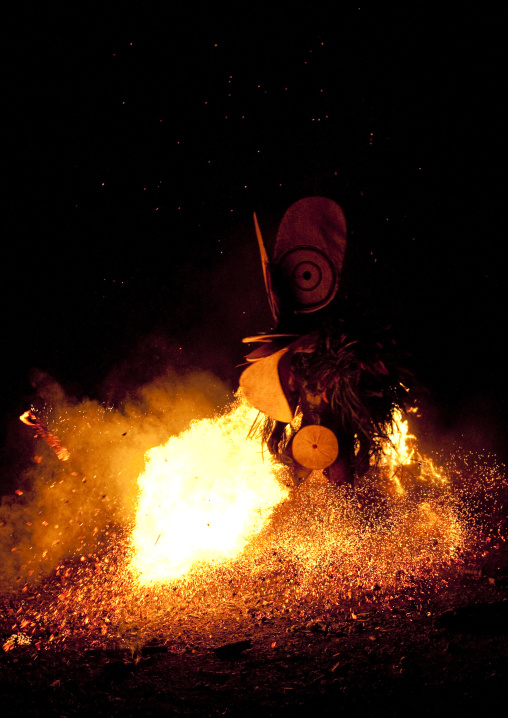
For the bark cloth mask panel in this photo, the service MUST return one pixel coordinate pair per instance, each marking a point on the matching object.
(262, 388)
(309, 254)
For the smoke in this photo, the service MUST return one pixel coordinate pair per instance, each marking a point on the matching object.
(70, 508)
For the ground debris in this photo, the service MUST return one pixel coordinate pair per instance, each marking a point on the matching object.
(317, 626)
(108, 653)
(323, 639)
(232, 650)
(116, 669)
(476, 618)
(151, 649)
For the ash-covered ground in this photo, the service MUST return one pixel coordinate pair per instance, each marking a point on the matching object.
(371, 600)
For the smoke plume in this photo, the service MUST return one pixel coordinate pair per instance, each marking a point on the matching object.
(70, 508)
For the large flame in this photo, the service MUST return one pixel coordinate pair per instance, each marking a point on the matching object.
(202, 496)
(207, 492)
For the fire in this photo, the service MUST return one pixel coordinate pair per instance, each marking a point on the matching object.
(203, 495)
(217, 535)
(402, 462)
(206, 493)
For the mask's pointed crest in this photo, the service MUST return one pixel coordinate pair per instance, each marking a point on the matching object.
(265, 263)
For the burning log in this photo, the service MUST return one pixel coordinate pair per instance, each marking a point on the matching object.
(41, 430)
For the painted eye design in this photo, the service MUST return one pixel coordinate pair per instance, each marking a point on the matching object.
(309, 254)
(309, 278)
(304, 274)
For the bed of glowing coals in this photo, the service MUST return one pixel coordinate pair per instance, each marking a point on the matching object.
(207, 529)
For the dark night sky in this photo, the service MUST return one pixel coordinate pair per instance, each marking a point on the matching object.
(139, 145)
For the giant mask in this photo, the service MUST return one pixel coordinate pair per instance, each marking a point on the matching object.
(309, 368)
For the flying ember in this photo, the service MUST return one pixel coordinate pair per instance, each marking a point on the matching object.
(53, 441)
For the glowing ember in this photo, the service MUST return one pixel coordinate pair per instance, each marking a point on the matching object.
(202, 496)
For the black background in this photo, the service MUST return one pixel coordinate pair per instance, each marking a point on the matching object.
(138, 144)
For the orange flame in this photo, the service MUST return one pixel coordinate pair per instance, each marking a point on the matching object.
(203, 495)
(208, 492)
(402, 463)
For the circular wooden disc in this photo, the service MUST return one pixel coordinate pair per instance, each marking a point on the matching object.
(315, 447)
